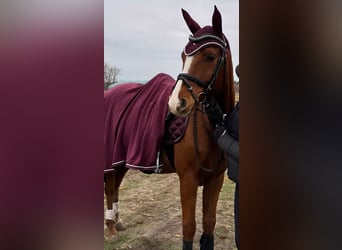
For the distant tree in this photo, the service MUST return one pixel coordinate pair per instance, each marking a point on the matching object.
(110, 75)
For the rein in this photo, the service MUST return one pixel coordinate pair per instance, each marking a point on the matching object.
(195, 123)
(207, 86)
(208, 170)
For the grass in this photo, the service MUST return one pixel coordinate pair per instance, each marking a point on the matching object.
(154, 217)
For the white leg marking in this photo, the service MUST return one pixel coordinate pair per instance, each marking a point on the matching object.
(109, 214)
(174, 98)
(112, 213)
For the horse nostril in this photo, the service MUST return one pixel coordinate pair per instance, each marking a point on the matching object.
(182, 104)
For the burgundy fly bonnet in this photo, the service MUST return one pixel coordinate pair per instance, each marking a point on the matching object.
(206, 36)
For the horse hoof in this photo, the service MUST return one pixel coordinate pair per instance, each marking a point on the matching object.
(110, 234)
(207, 242)
(110, 230)
(119, 226)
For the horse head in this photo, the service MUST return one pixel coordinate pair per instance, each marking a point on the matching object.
(207, 69)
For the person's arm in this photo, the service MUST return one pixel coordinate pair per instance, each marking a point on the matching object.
(227, 143)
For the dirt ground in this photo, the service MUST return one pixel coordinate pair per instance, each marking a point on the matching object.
(150, 208)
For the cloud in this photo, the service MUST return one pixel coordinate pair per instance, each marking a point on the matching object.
(143, 38)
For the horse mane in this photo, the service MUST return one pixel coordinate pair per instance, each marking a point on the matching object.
(224, 90)
(230, 92)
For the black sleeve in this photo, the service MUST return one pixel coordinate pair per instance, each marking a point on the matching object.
(233, 170)
(232, 123)
(229, 145)
(227, 138)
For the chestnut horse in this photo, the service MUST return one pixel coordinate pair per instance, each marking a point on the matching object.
(207, 77)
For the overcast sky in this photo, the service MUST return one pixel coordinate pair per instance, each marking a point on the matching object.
(144, 38)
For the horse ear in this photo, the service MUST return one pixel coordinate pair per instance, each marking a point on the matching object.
(217, 21)
(192, 24)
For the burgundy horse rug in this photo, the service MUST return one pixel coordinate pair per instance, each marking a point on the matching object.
(135, 123)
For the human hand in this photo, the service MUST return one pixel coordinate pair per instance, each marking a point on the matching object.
(214, 113)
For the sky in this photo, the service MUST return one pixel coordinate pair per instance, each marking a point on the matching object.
(144, 38)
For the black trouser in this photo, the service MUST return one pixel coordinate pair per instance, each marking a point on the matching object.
(236, 215)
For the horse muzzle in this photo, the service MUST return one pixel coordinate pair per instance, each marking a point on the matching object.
(182, 107)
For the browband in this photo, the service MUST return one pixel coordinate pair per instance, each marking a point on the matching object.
(201, 38)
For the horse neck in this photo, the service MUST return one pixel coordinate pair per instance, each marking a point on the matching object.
(224, 91)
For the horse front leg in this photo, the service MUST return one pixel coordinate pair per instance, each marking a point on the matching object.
(188, 194)
(211, 191)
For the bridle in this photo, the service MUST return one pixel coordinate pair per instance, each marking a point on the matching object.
(207, 86)
(201, 98)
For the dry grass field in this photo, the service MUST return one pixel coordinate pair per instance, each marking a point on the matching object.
(150, 208)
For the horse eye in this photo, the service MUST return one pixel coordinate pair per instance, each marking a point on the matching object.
(210, 58)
